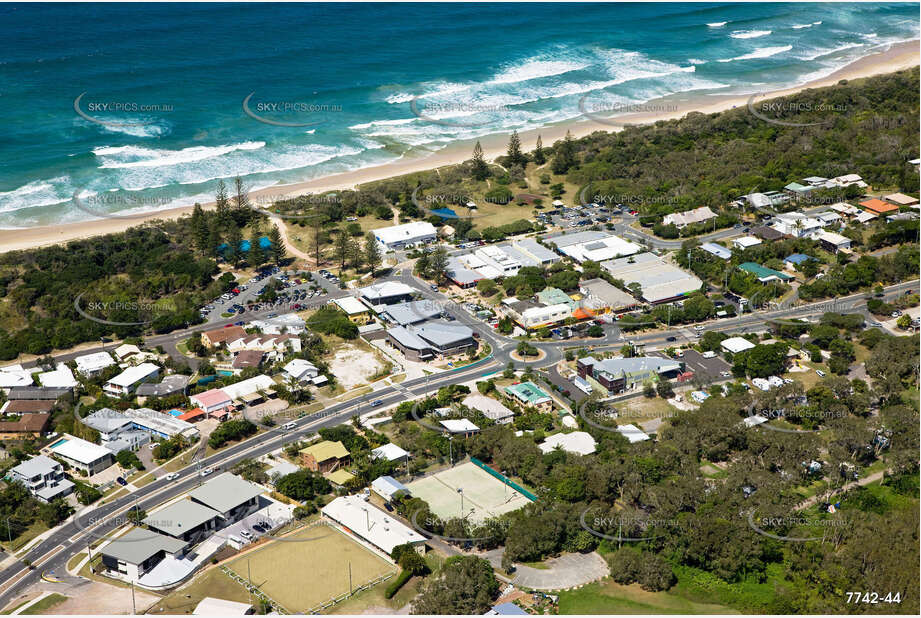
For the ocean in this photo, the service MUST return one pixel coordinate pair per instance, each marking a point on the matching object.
(138, 107)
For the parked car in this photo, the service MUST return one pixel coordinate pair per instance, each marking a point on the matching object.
(820, 373)
(121, 481)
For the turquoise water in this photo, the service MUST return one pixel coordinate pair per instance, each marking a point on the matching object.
(175, 412)
(225, 373)
(59, 443)
(163, 85)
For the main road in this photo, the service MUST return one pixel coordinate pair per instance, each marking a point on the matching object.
(72, 537)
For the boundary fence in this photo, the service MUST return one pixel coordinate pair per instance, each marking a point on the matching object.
(527, 494)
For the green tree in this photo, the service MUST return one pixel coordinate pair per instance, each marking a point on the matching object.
(564, 155)
(539, 157)
(515, 156)
(278, 246)
(438, 264)
(464, 585)
(342, 247)
(372, 253)
(480, 169)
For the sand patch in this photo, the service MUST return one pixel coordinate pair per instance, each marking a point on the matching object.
(354, 366)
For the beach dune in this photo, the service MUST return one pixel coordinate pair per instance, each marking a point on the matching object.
(898, 57)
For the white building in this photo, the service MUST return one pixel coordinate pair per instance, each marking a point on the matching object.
(490, 408)
(660, 281)
(734, 345)
(745, 242)
(797, 224)
(390, 452)
(287, 323)
(125, 350)
(689, 217)
(576, 442)
(85, 456)
(304, 371)
(247, 387)
(14, 376)
(459, 425)
(633, 433)
(834, 242)
(372, 524)
(718, 250)
(386, 293)
(128, 380)
(160, 424)
(504, 263)
(43, 477)
(61, 377)
(400, 236)
(607, 248)
(90, 365)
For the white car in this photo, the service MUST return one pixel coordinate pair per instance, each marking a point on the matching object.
(206, 471)
(246, 534)
(820, 373)
(172, 476)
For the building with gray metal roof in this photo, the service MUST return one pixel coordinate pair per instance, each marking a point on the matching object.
(409, 343)
(412, 312)
(659, 280)
(446, 337)
(138, 551)
(185, 520)
(229, 495)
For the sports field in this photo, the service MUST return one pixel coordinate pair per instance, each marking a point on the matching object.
(302, 575)
(484, 496)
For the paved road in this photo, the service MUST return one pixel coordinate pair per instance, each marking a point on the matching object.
(71, 538)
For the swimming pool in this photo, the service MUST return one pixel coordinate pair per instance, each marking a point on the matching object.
(175, 412)
(58, 443)
(225, 373)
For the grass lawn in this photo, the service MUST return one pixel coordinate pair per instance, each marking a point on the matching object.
(355, 392)
(45, 604)
(301, 576)
(641, 409)
(27, 535)
(608, 597)
(73, 562)
(97, 562)
(211, 583)
(372, 599)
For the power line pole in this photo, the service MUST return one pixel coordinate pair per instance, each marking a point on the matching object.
(134, 609)
(350, 578)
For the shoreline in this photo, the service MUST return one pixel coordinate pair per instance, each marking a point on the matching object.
(898, 57)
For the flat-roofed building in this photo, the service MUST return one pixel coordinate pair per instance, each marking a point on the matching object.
(500, 260)
(734, 345)
(261, 384)
(744, 242)
(127, 381)
(607, 248)
(412, 312)
(389, 488)
(358, 312)
(85, 456)
(900, 199)
(834, 242)
(160, 424)
(718, 250)
(284, 324)
(109, 423)
(43, 477)
(371, 524)
(633, 433)
(386, 293)
(459, 426)
(214, 401)
(60, 377)
(209, 606)
(185, 520)
(400, 236)
(169, 385)
(536, 251)
(659, 280)
(797, 225)
(91, 365)
(390, 452)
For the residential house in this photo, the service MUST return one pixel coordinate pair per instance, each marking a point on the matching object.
(214, 338)
(127, 381)
(834, 242)
(689, 217)
(878, 207)
(490, 408)
(91, 365)
(617, 375)
(358, 312)
(43, 477)
(324, 456)
(530, 395)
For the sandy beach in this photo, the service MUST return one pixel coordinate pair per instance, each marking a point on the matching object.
(898, 57)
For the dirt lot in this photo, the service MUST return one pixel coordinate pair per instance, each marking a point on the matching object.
(354, 366)
(96, 598)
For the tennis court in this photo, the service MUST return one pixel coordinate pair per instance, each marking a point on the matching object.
(483, 495)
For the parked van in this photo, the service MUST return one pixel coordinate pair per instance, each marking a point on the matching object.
(235, 539)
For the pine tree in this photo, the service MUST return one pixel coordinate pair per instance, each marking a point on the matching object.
(354, 253)
(199, 225)
(241, 200)
(214, 238)
(255, 256)
(222, 204)
(278, 245)
(480, 168)
(539, 157)
(438, 264)
(422, 266)
(372, 253)
(564, 156)
(342, 247)
(515, 156)
(234, 239)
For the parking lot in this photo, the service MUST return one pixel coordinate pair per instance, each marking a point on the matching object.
(248, 529)
(701, 366)
(296, 290)
(581, 216)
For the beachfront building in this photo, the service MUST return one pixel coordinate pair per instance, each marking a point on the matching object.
(91, 365)
(659, 281)
(127, 381)
(358, 312)
(372, 525)
(406, 235)
(689, 217)
(530, 395)
(617, 375)
(43, 477)
(84, 456)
